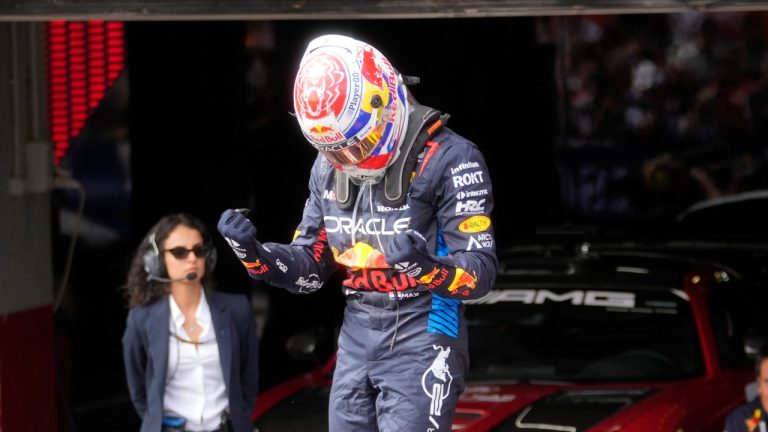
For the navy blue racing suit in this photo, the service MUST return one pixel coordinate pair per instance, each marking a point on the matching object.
(401, 361)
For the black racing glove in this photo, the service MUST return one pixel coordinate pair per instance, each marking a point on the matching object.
(240, 234)
(407, 253)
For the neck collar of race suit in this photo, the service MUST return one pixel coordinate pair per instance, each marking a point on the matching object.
(423, 123)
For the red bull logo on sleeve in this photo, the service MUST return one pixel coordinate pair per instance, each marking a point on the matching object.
(256, 267)
(463, 283)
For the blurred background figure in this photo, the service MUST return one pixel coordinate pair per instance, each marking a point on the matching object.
(751, 417)
(191, 354)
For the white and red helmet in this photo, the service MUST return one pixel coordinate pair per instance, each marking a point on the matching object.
(351, 104)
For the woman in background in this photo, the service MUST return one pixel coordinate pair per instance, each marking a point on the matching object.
(191, 354)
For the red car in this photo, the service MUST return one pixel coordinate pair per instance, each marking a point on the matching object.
(604, 339)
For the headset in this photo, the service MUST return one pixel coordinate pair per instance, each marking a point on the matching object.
(154, 264)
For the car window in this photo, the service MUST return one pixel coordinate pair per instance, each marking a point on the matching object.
(582, 334)
(735, 319)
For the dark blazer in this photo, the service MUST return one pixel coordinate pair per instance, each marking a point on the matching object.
(145, 353)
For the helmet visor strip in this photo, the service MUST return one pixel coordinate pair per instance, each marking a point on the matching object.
(355, 150)
(355, 153)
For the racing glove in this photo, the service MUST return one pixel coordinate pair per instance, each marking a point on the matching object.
(240, 234)
(407, 253)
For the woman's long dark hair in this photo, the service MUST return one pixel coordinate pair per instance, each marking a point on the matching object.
(138, 290)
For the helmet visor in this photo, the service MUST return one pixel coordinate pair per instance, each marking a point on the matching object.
(355, 153)
(354, 150)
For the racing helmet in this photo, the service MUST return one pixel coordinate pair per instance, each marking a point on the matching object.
(351, 104)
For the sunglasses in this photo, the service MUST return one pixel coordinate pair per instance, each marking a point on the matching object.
(182, 252)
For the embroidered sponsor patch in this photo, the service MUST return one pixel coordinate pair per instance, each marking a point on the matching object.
(436, 383)
(309, 284)
(475, 224)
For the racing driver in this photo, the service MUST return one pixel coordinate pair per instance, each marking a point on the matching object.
(404, 204)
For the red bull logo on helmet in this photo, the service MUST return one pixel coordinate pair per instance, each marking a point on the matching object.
(320, 96)
(369, 69)
(347, 92)
(320, 87)
(321, 130)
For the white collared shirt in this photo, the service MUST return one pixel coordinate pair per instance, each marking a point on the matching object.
(195, 386)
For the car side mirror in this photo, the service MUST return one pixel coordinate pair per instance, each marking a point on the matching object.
(752, 345)
(302, 345)
(314, 345)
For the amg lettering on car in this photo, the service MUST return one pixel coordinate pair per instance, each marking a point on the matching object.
(334, 224)
(616, 299)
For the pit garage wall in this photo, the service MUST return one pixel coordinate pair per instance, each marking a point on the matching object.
(27, 377)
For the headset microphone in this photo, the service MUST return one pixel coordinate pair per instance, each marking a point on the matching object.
(189, 277)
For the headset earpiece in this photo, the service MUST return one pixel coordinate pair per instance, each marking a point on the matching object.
(153, 262)
(210, 260)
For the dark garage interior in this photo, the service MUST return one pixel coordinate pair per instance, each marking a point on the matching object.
(202, 140)
(586, 124)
